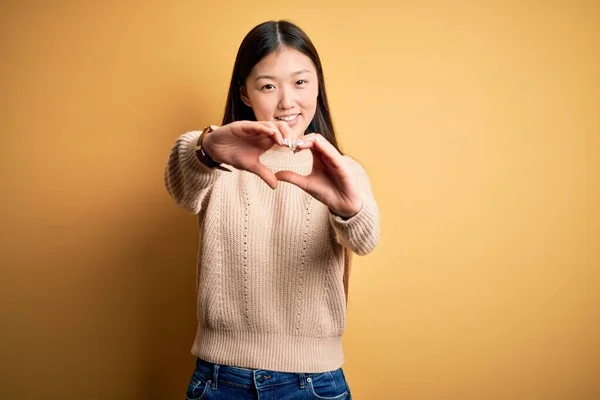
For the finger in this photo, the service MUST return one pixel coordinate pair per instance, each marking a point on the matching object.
(286, 131)
(264, 173)
(322, 147)
(293, 178)
(307, 141)
(277, 135)
(258, 128)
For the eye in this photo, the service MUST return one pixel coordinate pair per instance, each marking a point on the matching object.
(268, 86)
(301, 82)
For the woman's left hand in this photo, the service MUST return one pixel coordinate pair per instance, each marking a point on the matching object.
(330, 180)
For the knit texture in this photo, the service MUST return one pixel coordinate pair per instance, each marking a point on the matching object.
(270, 262)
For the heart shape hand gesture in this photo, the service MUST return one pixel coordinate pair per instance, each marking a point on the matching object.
(241, 143)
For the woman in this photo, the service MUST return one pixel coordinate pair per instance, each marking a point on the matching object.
(279, 211)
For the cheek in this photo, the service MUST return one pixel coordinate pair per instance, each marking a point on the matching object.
(309, 100)
(263, 107)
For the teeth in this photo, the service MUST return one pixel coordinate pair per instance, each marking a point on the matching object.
(288, 118)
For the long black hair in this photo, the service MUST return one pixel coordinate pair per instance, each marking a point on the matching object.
(261, 41)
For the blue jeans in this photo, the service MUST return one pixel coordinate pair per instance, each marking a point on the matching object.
(213, 381)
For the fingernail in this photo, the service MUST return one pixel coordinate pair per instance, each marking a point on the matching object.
(298, 143)
(284, 141)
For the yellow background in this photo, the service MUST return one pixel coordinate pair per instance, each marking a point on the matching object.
(478, 123)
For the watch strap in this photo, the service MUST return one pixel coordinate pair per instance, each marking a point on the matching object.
(202, 155)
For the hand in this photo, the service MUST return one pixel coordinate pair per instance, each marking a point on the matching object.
(330, 180)
(241, 143)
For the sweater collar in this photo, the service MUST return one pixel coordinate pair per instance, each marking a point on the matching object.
(284, 158)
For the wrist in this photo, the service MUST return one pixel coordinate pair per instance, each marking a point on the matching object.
(347, 213)
(205, 143)
(201, 152)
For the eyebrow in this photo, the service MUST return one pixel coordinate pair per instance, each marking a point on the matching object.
(273, 78)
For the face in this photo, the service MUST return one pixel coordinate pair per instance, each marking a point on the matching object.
(283, 87)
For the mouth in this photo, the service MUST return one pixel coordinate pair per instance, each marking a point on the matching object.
(287, 118)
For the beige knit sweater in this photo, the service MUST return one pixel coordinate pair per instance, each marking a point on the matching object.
(270, 262)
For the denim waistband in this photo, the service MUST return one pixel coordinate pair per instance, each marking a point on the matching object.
(248, 378)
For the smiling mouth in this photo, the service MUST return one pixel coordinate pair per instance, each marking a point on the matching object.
(287, 118)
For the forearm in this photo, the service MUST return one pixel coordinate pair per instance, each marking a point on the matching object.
(186, 178)
(360, 231)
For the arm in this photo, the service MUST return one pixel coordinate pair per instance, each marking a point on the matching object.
(187, 180)
(342, 185)
(359, 233)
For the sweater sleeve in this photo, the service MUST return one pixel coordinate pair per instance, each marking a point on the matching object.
(188, 180)
(359, 233)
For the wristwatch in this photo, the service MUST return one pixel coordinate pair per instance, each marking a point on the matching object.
(201, 154)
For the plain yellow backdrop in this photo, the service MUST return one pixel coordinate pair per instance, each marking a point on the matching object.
(478, 122)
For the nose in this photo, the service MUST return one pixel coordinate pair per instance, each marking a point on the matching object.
(286, 101)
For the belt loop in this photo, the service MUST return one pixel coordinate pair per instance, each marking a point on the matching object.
(302, 380)
(215, 376)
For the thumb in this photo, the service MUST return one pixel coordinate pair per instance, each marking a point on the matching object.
(264, 173)
(293, 178)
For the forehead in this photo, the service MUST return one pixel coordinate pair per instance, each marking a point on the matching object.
(283, 62)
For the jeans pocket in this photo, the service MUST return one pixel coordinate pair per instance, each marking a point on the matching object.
(197, 387)
(328, 386)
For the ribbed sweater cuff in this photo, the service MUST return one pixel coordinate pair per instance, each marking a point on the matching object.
(203, 174)
(361, 232)
(186, 178)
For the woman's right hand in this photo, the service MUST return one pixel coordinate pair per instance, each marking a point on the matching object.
(241, 143)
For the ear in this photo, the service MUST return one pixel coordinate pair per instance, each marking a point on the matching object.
(244, 96)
